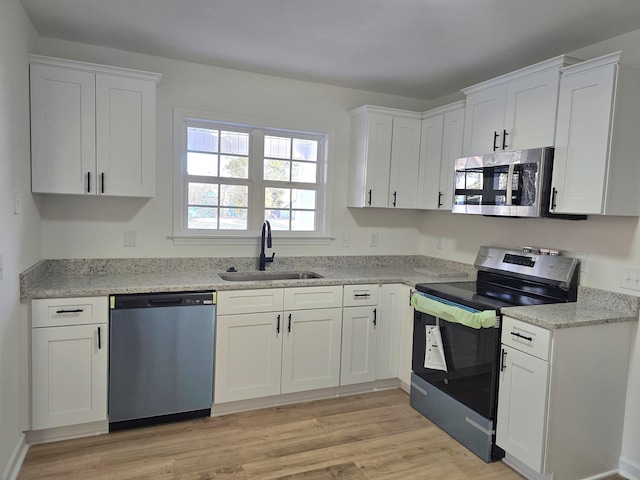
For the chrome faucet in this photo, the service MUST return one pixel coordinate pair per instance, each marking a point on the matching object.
(266, 235)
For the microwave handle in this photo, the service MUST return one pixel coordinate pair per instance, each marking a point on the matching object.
(509, 191)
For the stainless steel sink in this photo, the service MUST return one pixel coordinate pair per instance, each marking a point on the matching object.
(267, 276)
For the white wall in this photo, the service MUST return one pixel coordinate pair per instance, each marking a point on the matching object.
(85, 227)
(611, 243)
(19, 234)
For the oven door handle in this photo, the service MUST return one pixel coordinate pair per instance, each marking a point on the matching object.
(509, 191)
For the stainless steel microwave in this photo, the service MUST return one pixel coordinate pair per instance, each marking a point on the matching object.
(513, 184)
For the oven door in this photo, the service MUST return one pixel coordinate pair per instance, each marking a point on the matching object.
(471, 357)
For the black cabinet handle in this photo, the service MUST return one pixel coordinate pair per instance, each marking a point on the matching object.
(102, 182)
(369, 196)
(519, 335)
(375, 316)
(394, 198)
(495, 138)
(77, 310)
(502, 363)
(99, 339)
(278, 326)
(358, 295)
(88, 182)
(554, 192)
(289, 327)
(504, 139)
(440, 199)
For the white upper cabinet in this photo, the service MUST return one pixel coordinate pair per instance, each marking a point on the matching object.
(515, 111)
(92, 129)
(596, 170)
(384, 158)
(440, 145)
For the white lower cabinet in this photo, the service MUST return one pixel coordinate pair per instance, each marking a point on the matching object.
(285, 350)
(69, 361)
(371, 333)
(561, 398)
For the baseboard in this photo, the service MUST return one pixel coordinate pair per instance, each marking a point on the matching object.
(17, 457)
(308, 396)
(629, 469)
(524, 470)
(66, 433)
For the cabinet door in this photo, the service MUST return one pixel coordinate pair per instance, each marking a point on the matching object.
(389, 318)
(483, 119)
(248, 356)
(522, 407)
(359, 345)
(530, 111)
(378, 160)
(69, 375)
(453, 129)
(125, 142)
(62, 130)
(311, 349)
(582, 140)
(430, 162)
(405, 162)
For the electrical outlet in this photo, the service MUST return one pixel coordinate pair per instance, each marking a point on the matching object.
(130, 238)
(582, 256)
(344, 239)
(373, 239)
(630, 279)
(439, 243)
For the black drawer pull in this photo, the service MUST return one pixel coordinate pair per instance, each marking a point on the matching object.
(360, 295)
(99, 339)
(375, 317)
(289, 327)
(369, 196)
(77, 310)
(502, 364)
(519, 335)
(278, 327)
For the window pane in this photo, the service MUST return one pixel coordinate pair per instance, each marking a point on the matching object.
(203, 217)
(277, 147)
(202, 139)
(234, 195)
(234, 142)
(233, 219)
(303, 172)
(277, 198)
(305, 150)
(303, 199)
(277, 170)
(204, 164)
(203, 194)
(234, 167)
(279, 219)
(303, 221)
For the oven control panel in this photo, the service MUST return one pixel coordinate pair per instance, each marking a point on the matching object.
(554, 268)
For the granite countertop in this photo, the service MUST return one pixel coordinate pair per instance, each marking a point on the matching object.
(567, 315)
(97, 277)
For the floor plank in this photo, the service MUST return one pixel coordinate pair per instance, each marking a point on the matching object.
(360, 437)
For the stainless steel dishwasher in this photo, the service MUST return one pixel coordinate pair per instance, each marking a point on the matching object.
(161, 357)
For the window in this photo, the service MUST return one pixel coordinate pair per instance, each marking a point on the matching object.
(232, 176)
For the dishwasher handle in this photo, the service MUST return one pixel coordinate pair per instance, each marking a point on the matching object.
(165, 302)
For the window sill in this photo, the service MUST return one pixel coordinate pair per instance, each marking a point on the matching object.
(249, 240)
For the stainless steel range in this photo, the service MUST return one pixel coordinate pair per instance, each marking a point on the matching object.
(456, 338)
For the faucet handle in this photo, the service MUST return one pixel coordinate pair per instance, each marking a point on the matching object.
(272, 257)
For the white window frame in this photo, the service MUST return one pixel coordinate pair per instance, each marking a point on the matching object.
(182, 118)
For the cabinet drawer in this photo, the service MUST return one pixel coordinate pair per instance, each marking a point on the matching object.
(301, 298)
(527, 338)
(250, 301)
(56, 312)
(356, 295)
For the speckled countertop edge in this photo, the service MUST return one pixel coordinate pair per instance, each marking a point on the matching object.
(96, 277)
(594, 307)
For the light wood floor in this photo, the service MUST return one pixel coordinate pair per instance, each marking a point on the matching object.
(372, 436)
